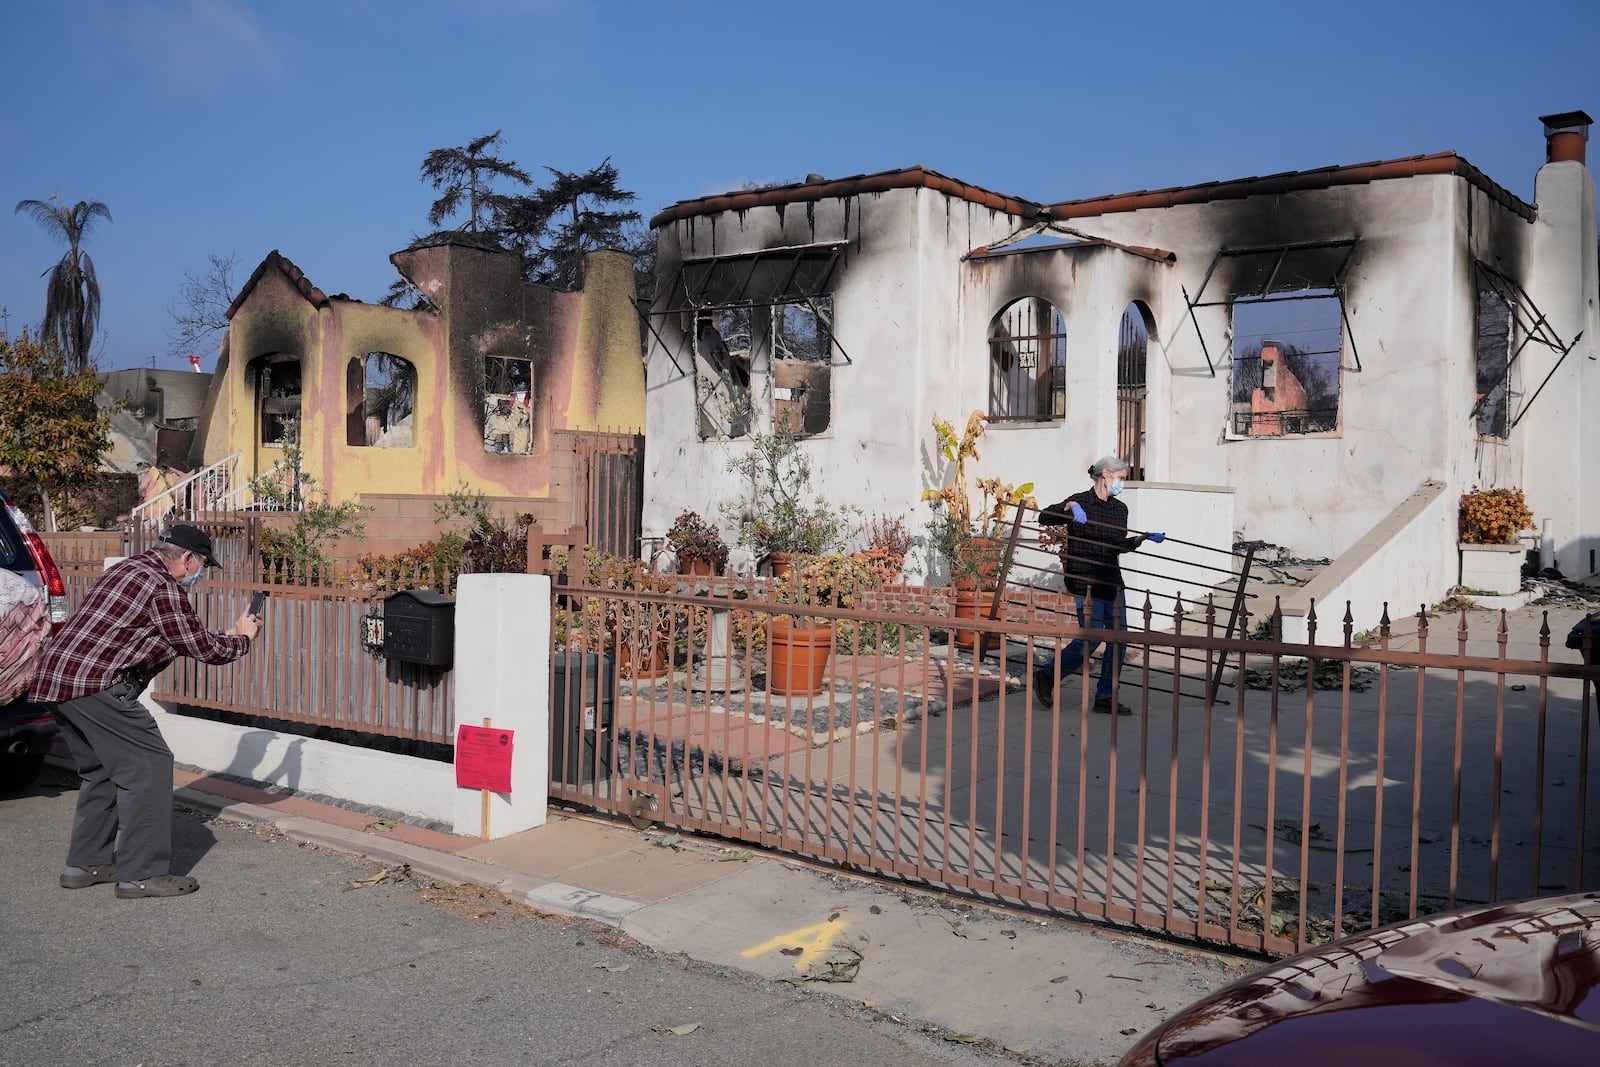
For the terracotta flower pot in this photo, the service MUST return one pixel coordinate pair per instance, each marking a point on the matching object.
(972, 602)
(782, 563)
(797, 657)
(695, 566)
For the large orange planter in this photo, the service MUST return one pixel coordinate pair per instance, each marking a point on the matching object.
(971, 603)
(797, 657)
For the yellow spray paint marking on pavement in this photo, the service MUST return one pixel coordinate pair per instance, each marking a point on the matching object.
(812, 941)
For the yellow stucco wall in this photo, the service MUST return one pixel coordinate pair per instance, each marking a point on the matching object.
(591, 360)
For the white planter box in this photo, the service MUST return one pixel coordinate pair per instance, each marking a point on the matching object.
(1492, 568)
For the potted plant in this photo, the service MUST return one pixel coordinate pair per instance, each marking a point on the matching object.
(799, 646)
(972, 544)
(639, 633)
(888, 539)
(780, 515)
(1491, 556)
(697, 544)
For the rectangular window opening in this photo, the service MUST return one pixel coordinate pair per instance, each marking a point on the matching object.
(507, 406)
(279, 397)
(1287, 361)
(1493, 358)
(802, 366)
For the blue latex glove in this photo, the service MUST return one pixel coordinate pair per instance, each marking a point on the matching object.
(1155, 536)
(1079, 516)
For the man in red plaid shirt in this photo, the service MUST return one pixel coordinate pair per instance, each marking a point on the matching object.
(135, 620)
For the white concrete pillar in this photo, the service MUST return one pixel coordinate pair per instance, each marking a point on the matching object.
(502, 668)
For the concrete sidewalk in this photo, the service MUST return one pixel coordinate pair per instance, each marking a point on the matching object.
(1047, 991)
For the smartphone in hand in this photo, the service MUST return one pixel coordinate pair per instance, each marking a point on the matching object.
(257, 602)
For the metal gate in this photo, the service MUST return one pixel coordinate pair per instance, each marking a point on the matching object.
(610, 491)
(1323, 790)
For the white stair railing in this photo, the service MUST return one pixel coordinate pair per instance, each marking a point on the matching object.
(204, 490)
(284, 497)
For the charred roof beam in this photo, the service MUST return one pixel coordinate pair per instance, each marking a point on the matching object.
(1275, 270)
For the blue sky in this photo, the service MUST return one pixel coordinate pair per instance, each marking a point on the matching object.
(233, 127)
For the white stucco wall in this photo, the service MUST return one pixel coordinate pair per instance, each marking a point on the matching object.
(1562, 427)
(411, 786)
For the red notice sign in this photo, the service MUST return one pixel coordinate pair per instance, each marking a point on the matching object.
(483, 758)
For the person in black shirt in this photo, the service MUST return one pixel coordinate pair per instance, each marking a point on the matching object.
(1097, 534)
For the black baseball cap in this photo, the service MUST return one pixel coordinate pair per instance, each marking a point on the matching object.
(193, 539)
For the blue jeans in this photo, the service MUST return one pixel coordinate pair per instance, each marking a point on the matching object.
(1109, 614)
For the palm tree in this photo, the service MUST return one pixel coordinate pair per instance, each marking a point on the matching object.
(72, 300)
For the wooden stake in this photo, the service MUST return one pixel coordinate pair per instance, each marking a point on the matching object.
(484, 822)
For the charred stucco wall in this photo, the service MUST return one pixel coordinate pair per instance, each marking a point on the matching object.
(1409, 306)
(1091, 285)
(607, 389)
(897, 313)
(276, 318)
(914, 318)
(579, 345)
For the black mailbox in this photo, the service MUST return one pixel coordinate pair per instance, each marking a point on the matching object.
(419, 626)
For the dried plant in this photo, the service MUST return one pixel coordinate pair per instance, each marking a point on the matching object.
(1493, 516)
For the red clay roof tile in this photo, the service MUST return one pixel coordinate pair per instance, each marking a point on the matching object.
(1233, 189)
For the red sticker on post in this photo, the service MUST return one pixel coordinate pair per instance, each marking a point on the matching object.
(483, 758)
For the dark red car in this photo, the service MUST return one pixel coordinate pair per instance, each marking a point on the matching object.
(1497, 984)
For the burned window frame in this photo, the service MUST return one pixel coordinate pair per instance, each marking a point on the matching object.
(1291, 270)
(1027, 369)
(508, 419)
(277, 405)
(1531, 326)
(764, 290)
(1336, 256)
(1492, 359)
(390, 405)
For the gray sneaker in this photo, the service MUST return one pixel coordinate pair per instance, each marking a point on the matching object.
(162, 885)
(83, 877)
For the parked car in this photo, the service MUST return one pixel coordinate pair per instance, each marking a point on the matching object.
(1495, 984)
(26, 730)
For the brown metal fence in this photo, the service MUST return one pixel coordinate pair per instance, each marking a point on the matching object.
(309, 665)
(1325, 789)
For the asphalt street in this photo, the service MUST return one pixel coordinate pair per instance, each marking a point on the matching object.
(293, 954)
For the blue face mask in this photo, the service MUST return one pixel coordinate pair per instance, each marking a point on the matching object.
(1115, 488)
(189, 581)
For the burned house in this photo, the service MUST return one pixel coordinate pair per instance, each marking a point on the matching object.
(1318, 359)
(389, 405)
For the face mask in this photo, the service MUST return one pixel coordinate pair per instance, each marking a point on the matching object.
(189, 581)
(1116, 488)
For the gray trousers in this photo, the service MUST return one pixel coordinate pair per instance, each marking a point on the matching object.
(126, 769)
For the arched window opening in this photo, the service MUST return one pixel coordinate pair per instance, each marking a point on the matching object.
(1133, 346)
(1028, 362)
(380, 396)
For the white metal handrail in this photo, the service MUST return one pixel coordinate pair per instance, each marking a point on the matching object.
(204, 490)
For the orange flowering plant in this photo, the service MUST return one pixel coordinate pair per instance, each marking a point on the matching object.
(1493, 516)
